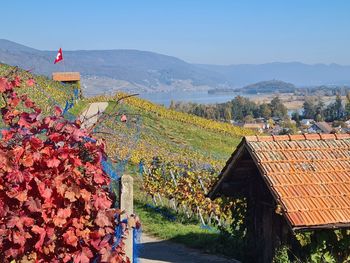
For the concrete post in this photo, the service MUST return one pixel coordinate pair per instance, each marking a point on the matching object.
(127, 205)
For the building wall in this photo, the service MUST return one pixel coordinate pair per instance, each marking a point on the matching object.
(267, 230)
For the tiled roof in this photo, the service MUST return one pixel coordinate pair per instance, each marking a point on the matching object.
(324, 126)
(308, 175)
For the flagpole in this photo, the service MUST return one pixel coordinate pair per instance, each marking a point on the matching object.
(64, 64)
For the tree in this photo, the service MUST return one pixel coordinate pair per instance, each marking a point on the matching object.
(296, 117)
(227, 113)
(289, 127)
(265, 110)
(172, 104)
(271, 122)
(339, 109)
(319, 110)
(309, 107)
(318, 117)
(347, 105)
(248, 119)
(277, 108)
(335, 111)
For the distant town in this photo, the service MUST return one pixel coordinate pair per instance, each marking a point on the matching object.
(316, 114)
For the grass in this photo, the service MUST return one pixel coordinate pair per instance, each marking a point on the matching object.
(157, 224)
(164, 223)
(79, 107)
(160, 223)
(186, 232)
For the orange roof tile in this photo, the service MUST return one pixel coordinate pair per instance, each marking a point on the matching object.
(66, 76)
(309, 176)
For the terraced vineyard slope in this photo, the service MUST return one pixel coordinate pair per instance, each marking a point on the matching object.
(173, 135)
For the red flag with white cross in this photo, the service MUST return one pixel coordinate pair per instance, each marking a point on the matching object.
(59, 56)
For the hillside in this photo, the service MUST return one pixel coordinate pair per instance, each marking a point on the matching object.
(105, 71)
(178, 140)
(270, 86)
(135, 70)
(163, 132)
(176, 136)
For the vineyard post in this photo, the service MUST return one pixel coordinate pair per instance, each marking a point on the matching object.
(160, 199)
(173, 177)
(154, 200)
(200, 216)
(202, 185)
(186, 211)
(127, 205)
(149, 172)
(175, 183)
(173, 201)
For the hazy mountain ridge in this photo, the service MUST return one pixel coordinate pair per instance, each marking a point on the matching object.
(148, 71)
(295, 72)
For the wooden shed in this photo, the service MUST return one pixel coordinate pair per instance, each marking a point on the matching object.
(66, 76)
(72, 78)
(291, 183)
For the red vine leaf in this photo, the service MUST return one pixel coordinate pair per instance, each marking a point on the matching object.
(70, 238)
(54, 203)
(103, 220)
(41, 231)
(30, 82)
(84, 256)
(101, 202)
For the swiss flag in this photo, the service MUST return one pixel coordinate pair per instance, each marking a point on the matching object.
(59, 56)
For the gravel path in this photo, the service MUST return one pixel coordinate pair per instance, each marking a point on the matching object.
(154, 250)
(90, 116)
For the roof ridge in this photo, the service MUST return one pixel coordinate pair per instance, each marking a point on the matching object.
(297, 137)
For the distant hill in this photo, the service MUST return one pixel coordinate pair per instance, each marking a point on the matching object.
(268, 87)
(105, 71)
(299, 74)
(135, 70)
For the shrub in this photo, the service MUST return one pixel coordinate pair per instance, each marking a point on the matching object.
(281, 255)
(54, 200)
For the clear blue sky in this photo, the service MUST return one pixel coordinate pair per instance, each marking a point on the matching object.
(199, 31)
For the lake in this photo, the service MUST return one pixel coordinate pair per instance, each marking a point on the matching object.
(190, 96)
(203, 97)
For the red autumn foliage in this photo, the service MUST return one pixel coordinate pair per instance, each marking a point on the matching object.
(54, 200)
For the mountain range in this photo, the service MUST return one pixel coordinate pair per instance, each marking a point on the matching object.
(105, 71)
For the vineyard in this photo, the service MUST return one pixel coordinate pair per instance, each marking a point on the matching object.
(177, 155)
(175, 159)
(175, 136)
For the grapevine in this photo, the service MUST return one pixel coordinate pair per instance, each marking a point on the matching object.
(55, 203)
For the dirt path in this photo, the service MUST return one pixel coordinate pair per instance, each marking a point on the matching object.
(154, 250)
(90, 115)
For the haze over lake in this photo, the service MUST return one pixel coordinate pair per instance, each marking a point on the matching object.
(202, 97)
